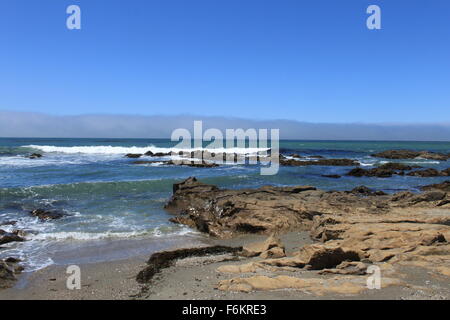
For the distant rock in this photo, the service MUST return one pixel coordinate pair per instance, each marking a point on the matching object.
(409, 154)
(332, 176)
(397, 166)
(320, 162)
(133, 155)
(157, 154)
(374, 172)
(187, 163)
(430, 172)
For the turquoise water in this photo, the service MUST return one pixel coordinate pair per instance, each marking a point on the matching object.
(107, 197)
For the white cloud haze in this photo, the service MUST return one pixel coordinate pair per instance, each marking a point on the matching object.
(26, 124)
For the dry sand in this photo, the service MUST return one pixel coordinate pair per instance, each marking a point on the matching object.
(196, 278)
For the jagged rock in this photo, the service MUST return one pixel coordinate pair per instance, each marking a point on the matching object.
(6, 237)
(426, 173)
(409, 154)
(133, 155)
(45, 215)
(222, 213)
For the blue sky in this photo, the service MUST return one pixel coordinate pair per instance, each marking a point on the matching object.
(262, 59)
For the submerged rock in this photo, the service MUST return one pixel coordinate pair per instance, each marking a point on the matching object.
(35, 156)
(6, 237)
(45, 215)
(320, 162)
(332, 176)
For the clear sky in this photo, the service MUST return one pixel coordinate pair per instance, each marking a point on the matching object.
(263, 59)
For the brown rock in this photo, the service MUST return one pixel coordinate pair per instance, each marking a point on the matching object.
(258, 248)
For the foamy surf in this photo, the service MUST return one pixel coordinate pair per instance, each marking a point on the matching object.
(112, 150)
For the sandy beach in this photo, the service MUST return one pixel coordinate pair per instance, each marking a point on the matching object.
(196, 278)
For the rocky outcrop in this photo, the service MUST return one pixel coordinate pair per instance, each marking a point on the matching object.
(165, 259)
(45, 215)
(375, 172)
(353, 230)
(225, 213)
(410, 154)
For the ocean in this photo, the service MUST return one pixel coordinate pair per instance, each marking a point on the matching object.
(108, 199)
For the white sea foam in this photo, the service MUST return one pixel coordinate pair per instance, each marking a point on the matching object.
(124, 150)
